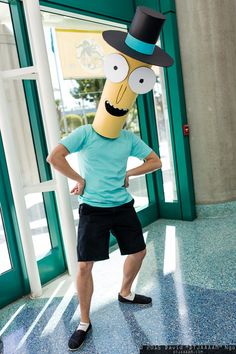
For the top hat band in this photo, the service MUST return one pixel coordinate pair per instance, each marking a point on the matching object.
(139, 46)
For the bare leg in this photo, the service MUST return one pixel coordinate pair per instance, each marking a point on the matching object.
(85, 289)
(132, 265)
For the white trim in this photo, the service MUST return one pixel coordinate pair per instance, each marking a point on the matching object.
(47, 186)
(28, 73)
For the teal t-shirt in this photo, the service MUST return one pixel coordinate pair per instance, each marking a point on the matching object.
(103, 163)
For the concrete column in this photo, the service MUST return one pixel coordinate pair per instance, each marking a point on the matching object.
(207, 35)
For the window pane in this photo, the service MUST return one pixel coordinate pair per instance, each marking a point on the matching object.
(163, 129)
(5, 262)
(18, 114)
(38, 224)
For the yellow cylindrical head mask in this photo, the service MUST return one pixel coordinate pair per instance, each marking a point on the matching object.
(128, 70)
(126, 78)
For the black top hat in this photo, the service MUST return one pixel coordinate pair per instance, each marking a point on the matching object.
(140, 42)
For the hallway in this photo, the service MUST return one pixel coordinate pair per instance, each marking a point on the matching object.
(189, 272)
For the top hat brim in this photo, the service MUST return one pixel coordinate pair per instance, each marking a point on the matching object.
(116, 39)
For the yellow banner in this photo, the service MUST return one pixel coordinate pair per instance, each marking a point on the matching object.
(81, 53)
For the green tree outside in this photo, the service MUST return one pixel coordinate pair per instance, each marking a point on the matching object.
(88, 89)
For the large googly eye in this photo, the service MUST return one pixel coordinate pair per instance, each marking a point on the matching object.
(116, 67)
(142, 80)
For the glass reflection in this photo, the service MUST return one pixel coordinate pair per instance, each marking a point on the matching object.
(38, 224)
(164, 137)
(5, 261)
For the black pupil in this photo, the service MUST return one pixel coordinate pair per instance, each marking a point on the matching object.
(115, 67)
(141, 81)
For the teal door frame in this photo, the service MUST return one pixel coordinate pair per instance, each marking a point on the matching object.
(14, 282)
(184, 207)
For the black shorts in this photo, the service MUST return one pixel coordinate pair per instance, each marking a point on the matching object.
(94, 229)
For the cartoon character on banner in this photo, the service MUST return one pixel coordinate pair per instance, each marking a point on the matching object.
(128, 70)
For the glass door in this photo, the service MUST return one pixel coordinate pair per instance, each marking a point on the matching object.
(26, 124)
(11, 275)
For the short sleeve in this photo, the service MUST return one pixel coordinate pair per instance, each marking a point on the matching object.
(139, 148)
(75, 141)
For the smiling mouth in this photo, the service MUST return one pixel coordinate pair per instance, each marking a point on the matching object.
(115, 111)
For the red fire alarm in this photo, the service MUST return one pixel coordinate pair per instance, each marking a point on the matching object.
(186, 130)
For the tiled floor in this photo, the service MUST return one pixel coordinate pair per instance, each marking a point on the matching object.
(189, 272)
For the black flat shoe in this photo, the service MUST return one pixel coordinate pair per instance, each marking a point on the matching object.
(138, 299)
(78, 338)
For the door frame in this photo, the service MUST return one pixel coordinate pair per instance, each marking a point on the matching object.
(54, 263)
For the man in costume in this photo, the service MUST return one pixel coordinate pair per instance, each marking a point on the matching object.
(104, 148)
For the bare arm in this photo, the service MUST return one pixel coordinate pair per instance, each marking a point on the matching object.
(57, 158)
(151, 163)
